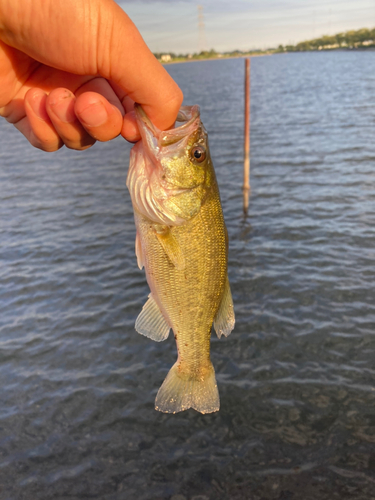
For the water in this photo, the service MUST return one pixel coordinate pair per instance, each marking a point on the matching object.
(296, 377)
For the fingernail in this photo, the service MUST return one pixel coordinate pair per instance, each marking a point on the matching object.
(63, 107)
(37, 103)
(94, 115)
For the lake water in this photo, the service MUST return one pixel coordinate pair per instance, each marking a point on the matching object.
(296, 376)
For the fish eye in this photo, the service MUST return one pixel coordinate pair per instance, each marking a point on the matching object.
(198, 154)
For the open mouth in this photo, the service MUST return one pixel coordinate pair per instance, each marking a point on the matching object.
(188, 116)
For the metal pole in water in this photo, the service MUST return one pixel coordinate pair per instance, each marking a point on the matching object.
(246, 165)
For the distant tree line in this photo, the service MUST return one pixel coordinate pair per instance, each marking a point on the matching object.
(350, 40)
(204, 54)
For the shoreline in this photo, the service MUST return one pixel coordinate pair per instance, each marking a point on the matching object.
(341, 49)
(216, 58)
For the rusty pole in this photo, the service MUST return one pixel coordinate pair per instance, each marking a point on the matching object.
(246, 165)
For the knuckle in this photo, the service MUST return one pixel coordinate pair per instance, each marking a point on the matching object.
(78, 142)
(78, 146)
(49, 146)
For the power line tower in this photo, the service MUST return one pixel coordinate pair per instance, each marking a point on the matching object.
(201, 30)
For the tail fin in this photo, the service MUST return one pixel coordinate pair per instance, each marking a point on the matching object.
(181, 391)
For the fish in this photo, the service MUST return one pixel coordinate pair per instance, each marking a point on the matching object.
(182, 242)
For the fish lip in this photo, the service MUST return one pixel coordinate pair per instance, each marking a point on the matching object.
(149, 133)
(188, 115)
(144, 120)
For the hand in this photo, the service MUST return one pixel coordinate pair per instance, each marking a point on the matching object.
(71, 71)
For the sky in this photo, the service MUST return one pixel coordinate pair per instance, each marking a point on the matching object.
(172, 25)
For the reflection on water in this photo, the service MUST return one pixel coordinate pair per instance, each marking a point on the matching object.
(296, 377)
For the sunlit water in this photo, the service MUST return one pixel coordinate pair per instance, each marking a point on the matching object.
(297, 375)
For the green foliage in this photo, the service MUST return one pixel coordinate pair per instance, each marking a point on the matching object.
(350, 39)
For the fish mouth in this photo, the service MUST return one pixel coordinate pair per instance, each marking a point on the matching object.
(188, 116)
(143, 120)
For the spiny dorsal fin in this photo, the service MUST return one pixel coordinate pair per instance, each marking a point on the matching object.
(151, 322)
(224, 319)
(171, 247)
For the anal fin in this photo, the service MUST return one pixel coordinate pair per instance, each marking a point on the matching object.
(151, 322)
(224, 319)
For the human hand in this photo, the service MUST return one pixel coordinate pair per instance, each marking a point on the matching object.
(71, 71)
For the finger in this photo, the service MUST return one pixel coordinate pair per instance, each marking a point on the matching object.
(46, 79)
(60, 108)
(104, 88)
(101, 119)
(130, 130)
(23, 125)
(128, 104)
(37, 126)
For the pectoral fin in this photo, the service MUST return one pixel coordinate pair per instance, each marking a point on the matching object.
(171, 248)
(151, 321)
(224, 319)
(138, 251)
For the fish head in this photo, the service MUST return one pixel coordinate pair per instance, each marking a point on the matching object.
(180, 156)
(178, 162)
(184, 153)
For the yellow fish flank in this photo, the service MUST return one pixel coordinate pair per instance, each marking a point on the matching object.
(182, 243)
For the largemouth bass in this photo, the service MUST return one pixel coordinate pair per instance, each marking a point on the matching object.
(182, 243)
